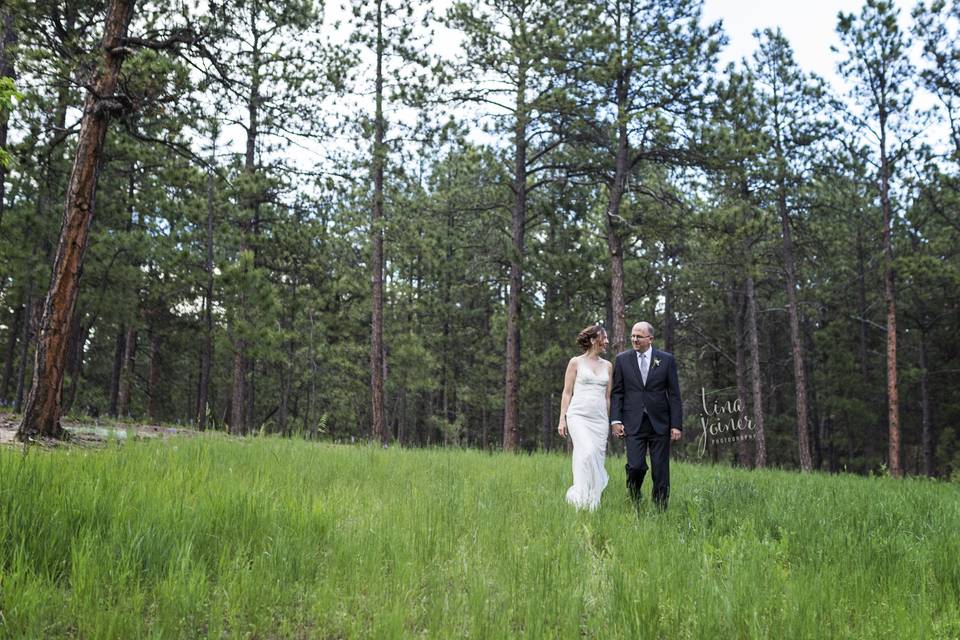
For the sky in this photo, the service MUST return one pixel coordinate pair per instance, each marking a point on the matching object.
(811, 28)
(809, 25)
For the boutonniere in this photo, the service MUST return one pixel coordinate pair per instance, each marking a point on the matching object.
(656, 362)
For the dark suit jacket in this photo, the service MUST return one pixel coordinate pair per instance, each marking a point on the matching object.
(659, 398)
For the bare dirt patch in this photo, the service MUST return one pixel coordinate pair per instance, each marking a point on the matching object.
(94, 432)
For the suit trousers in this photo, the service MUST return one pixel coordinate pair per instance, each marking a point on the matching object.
(659, 446)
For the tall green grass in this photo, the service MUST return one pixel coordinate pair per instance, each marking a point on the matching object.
(265, 538)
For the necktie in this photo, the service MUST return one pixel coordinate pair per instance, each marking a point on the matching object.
(643, 367)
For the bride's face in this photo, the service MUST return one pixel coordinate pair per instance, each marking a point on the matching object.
(601, 342)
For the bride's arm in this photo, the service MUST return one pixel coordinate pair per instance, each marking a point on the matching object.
(568, 379)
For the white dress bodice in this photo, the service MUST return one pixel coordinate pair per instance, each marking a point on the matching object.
(588, 425)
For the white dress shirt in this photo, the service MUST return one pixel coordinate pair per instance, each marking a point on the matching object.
(649, 354)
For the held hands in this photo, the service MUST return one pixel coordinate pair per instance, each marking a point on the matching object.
(617, 428)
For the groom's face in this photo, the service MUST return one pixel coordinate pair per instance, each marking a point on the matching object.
(640, 338)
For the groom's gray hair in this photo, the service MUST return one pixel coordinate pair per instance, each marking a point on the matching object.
(645, 326)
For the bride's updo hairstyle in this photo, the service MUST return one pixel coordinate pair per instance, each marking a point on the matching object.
(586, 336)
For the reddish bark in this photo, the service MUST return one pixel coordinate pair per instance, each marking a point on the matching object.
(615, 243)
(42, 414)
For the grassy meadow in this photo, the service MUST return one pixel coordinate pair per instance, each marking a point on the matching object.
(267, 538)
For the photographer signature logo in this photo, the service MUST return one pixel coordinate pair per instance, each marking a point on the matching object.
(722, 423)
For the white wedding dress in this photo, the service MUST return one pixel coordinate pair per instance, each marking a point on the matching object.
(588, 426)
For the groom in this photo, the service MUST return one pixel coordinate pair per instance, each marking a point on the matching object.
(645, 408)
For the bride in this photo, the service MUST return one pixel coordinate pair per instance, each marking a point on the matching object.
(583, 414)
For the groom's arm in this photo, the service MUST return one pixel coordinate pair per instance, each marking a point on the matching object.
(616, 394)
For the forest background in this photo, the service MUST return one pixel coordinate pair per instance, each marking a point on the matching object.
(421, 280)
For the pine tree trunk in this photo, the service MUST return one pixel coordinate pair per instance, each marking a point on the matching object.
(511, 405)
(126, 343)
(11, 355)
(28, 330)
(403, 437)
(926, 420)
(239, 394)
(127, 372)
(820, 436)
(42, 414)
(203, 381)
(295, 411)
(873, 433)
(377, 382)
(240, 411)
(8, 40)
(308, 419)
(116, 372)
(282, 411)
(752, 335)
(286, 367)
(484, 439)
(74, 369)
(743, 448)
(618, 310)
(796, 346)
(614, 224)
(893, 402)
(206, 354)
(153, 378)
(448, 354)
(669, 316)
(862, 309)
(250, 415)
